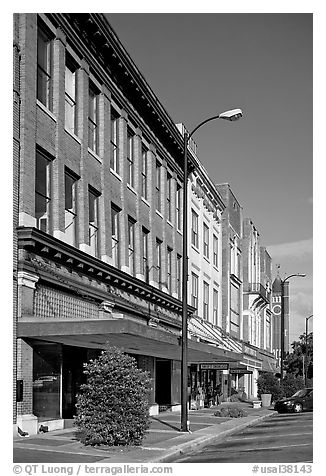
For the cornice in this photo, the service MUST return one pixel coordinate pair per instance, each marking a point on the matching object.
(50, 248)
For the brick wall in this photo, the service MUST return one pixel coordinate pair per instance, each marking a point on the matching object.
(16, 150)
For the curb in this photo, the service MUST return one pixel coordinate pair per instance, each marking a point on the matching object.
(198, 443)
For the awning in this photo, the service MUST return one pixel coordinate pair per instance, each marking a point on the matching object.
(132, 337)
(208, 332)
(269, 366)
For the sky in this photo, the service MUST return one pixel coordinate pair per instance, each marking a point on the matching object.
(200, 64)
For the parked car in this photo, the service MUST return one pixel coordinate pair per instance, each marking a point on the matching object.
(302, 400)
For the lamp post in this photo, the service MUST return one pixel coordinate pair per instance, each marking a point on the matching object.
(306, 352)
(283, 281)
(231, 115)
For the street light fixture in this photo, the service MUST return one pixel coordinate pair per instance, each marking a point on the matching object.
(300, 275)
(230, 115)
(305, 373)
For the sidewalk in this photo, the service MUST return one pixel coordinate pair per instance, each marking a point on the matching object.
(163, 442)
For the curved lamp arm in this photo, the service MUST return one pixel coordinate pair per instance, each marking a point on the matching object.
(231, 115)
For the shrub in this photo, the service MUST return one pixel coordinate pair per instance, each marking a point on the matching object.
(241, 396)
(231, 412)
(268, 383)
(113, 406)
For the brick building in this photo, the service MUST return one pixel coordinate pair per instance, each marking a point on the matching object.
(97, 213)
(277, 313)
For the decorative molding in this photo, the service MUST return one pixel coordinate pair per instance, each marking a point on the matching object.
(27, 279)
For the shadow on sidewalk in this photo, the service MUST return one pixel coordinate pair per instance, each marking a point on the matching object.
(165, 423)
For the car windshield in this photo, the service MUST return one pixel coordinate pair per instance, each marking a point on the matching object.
(301, 393)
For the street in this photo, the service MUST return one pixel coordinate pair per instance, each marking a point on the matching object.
(284, 438)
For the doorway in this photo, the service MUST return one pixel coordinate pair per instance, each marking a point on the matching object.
(163, 382)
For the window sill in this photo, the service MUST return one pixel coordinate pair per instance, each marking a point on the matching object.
(46, 110)
(206, 259)
(145, 201)
(159, 214)
(94, 155)
(73, 135)
(113, 172)
(194, 248)
(169, 223)
(131, 189)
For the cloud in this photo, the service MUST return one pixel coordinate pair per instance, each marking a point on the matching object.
(294, 249)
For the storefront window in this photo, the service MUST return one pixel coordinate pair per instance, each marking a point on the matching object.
(46, 380)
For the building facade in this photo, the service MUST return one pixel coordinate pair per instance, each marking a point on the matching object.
(257, 302)
(98, 213)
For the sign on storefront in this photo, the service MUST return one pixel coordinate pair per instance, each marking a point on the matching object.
(240, 371)
(215, 366)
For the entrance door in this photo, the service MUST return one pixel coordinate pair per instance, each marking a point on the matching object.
(163, 382)
(72, 378)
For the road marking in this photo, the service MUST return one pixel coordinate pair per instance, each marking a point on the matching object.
(245, 450)
(268, 436)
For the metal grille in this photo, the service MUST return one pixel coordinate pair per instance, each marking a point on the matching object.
(52, 304)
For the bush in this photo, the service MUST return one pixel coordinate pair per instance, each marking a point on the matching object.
(240, 396)
(268, 383)
(231, 412)
(113, 406)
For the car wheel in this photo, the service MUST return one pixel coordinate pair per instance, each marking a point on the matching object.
(297, 408)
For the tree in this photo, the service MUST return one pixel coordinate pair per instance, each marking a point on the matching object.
(293, 362)
(113, 406)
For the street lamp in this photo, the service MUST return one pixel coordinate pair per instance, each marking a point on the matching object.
(306, 352)
(231, 115)
(300, 275)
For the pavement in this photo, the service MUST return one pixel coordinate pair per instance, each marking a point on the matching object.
(163, 443)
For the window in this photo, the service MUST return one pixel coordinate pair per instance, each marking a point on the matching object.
(194, 290)
(115, 235)
(114, 159)
(144, 173)
(42, 192)
(93, 113)
(178, 207)
(194, 228)
(159, 261)
(158, 186)
(206, 301)
(169, 269)
(206, 241)
(215, 306)
(131, 245)
(70, 208)
(234, 311)
(268, 332)
(70, 97)
(232, 258)
(44, 68)
(238, 263)
(93, 222)
(145, 269)
(130, 159)
(215, 251)
(169, 196)
(179, 276)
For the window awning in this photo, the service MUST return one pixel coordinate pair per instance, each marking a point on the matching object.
(208, 332)
(130, 336)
